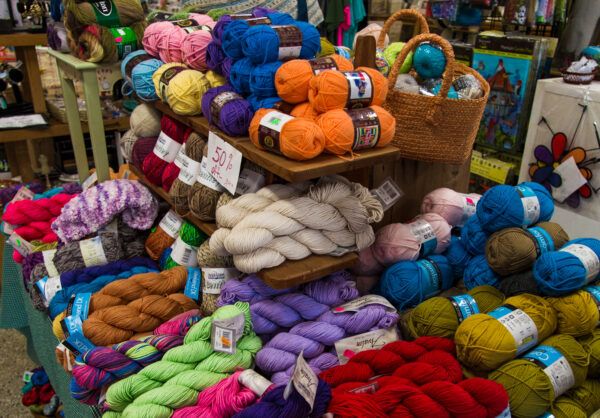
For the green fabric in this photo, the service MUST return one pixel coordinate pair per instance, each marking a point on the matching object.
(18, 312)
(357, 14)
(334, 17)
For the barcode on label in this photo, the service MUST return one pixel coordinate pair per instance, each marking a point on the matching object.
(388, 193)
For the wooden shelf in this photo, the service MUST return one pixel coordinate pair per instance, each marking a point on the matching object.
(57, 128)
(23, 39)
(285, 168)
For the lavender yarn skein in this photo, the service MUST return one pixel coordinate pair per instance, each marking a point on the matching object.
(234, 116)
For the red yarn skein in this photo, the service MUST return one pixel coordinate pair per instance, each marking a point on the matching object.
(24, 212)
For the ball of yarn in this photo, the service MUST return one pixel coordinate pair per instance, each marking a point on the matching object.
(203, 198)
(391, 52)
(299, 138)
(262, 43)
(262, 79)
(327, 48)
(483, 343)
(529, 388)
(513, 250)
(407, 83)
(214, 56)
(332, 89)
(193, 49)
(126, 142)
(180, 190)
(473, 236)
(137, 69)
(503, 207)
(154, 35)
(380, 63)
(293, 77)
(454, 207)
(170, 47)
(227, 110)
(258, 103)
(305, 110)
(341, 131)
(591, 343)
(239, 76)
(560, 272)
(96, 43)
(145, 121)
(159, 239)
(457, 256)
(191, 236)
(429, 61)
(577, 313)
(440, 317)
(518, 283)
(582, 401)
(405, 242)
(141, 149)
(479, 273)
(215, 79)
(181, 88)
(226, 67)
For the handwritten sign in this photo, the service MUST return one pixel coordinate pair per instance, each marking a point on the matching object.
(224, 162)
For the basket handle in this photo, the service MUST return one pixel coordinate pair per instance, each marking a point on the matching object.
(448, 75)
(404, 13)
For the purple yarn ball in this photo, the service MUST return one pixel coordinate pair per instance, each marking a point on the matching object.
(226, 67)
(235, 113)
(214, 56)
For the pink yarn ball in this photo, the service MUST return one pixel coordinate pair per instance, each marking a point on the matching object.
(169, 50)
(396, 242)
(202, 19)
(449, 204)
(367, 264)
(193, 49)
(154, 36)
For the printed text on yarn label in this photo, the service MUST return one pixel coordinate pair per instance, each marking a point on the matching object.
(49, 286)
(24, 193)
(250, 181)
(464, 305)
(79, 305)
(346, 348)
(318, 65)
(269, 130)
(184, 254)
(367, 128)
(519, 324)
(388, 193)
(180, 156)
(166, 148)
(125, 39)
(189, 170)
(75, 339)
(357, 304)
(304, 380)
(48, 255)
(555, 365)
(220, 100)
(469, 208)
(223, 162)
(431, 276)
(92, 252)
(425, 234)
(360, 89)
(541, 239)
(171, 223)
(254, 381)
(23, 246)
(226, 332)
(531, 205)
(214, 278)
(595, 292)
(206, 179)
(166, 78)
(193, 283)
(588, 258)
(290, 41)
(106, 13)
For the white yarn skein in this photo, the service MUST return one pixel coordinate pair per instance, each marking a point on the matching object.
(127, 141)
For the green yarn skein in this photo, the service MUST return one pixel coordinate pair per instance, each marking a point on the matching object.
(184, 371)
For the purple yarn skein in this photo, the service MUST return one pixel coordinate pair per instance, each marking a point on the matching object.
(214, 56)
(226, 67)
(234, 116)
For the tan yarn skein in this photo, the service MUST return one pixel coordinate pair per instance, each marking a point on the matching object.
(207, 259)
(202, 200)
(180, 191)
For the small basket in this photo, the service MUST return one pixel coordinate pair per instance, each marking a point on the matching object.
(578, 78)
(433, 128)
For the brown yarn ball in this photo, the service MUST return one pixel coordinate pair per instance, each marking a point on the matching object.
(513, 250)
(202, 200)
(207, 259)
(180, 190)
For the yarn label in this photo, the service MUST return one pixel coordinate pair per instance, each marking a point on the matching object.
(216, 105)
(249, 182)
(348, 347)
(213, 279)
(258, 21)
(254, 381)
(125, 39)
(531, 205)
(193, 283)
(224, 162)
(75, 340)
(360, 89)
(505, 414)
(284, 107)
(48, 287)
(24, 193)
(290, 41)
(388, 193)
(304, 380)
(27, 376)
(190, 25)
(356, 304)
(20, 244)
(226, 332)
(171, 223)
(189, 170)
(165, 79)
(588, 258)
(206, 179)
(92, 178)
(184, 254)
(371, 388)
(432, 275)
(242, 16)
(318, 65)
(464, 305)
(269, 130)
(469, 208)
(541, 239)
(166, 148)
(106, 13)
(180, 156)
(48, 256)
(519, 325)
(133, 62)
(79, 305)
(92, 252)
(367, 128)
(595, 292)
(555, 365)
(425, 234)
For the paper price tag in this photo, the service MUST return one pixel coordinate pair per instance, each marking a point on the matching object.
(254, 381)
(348, 347)
(388, 193)
(27, 376)
(356, 304)
(226, 332)
(304, 380)
(20, 244)
(223, 162)
(23, 194)
(87, 183)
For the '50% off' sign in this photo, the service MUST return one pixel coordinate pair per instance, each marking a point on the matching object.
(224, 162)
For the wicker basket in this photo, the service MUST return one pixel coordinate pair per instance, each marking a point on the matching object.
(433, 128)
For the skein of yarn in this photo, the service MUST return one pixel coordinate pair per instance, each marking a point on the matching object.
(226, 109)
(99, 44)
(262, 79)
(145, 121)
(532, 383)
(473, 236)
(100, 250)
(305, 110)
(164, 235)
(137, 69)
(513, 250)
(518, 283)
(505, 206)
(239, 76)
(454, 207)
(582, 401)
(216, 271)
(577, 313)
(486, 341)
(181, 88)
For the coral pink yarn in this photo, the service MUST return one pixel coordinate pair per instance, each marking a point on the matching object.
(193, 49)
(448, 204)
(154, 36)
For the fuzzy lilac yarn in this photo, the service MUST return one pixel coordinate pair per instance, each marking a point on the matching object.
(97, 206)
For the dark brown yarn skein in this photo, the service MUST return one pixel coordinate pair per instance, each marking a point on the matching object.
(518, 283)
(513, 250)
(180, 191)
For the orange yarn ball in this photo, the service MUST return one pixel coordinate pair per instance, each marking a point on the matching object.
(330, 89)
(305, 110)
(341, 132)
(293, 77)
(299, 139)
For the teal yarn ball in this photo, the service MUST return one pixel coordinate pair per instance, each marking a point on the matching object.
(429, 61)
(239, 76)
(452, 94)
(140, 78)
(479, 273)
(262, 79)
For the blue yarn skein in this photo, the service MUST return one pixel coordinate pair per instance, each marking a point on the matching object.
(429, 61)
(239, 76)
(557, 273)
(39, 378)
(163, 258)
(87, 274)
(262, 102)
(61, 299)
(408, 283)
(457, 256)
(261, 43)
(262, 79)
(501, 206)
(479, 273)
(141, 76)
(232, 39)
(473, 237)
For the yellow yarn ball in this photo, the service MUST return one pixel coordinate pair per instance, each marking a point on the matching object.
(577, 313)
(184, 89)
(592, 345)
(582, 401)
(483, 343)
(56, 328)
(327, 48)
(215, 79)
(529, 388)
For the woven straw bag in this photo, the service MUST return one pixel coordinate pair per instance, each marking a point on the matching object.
(433, 128)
